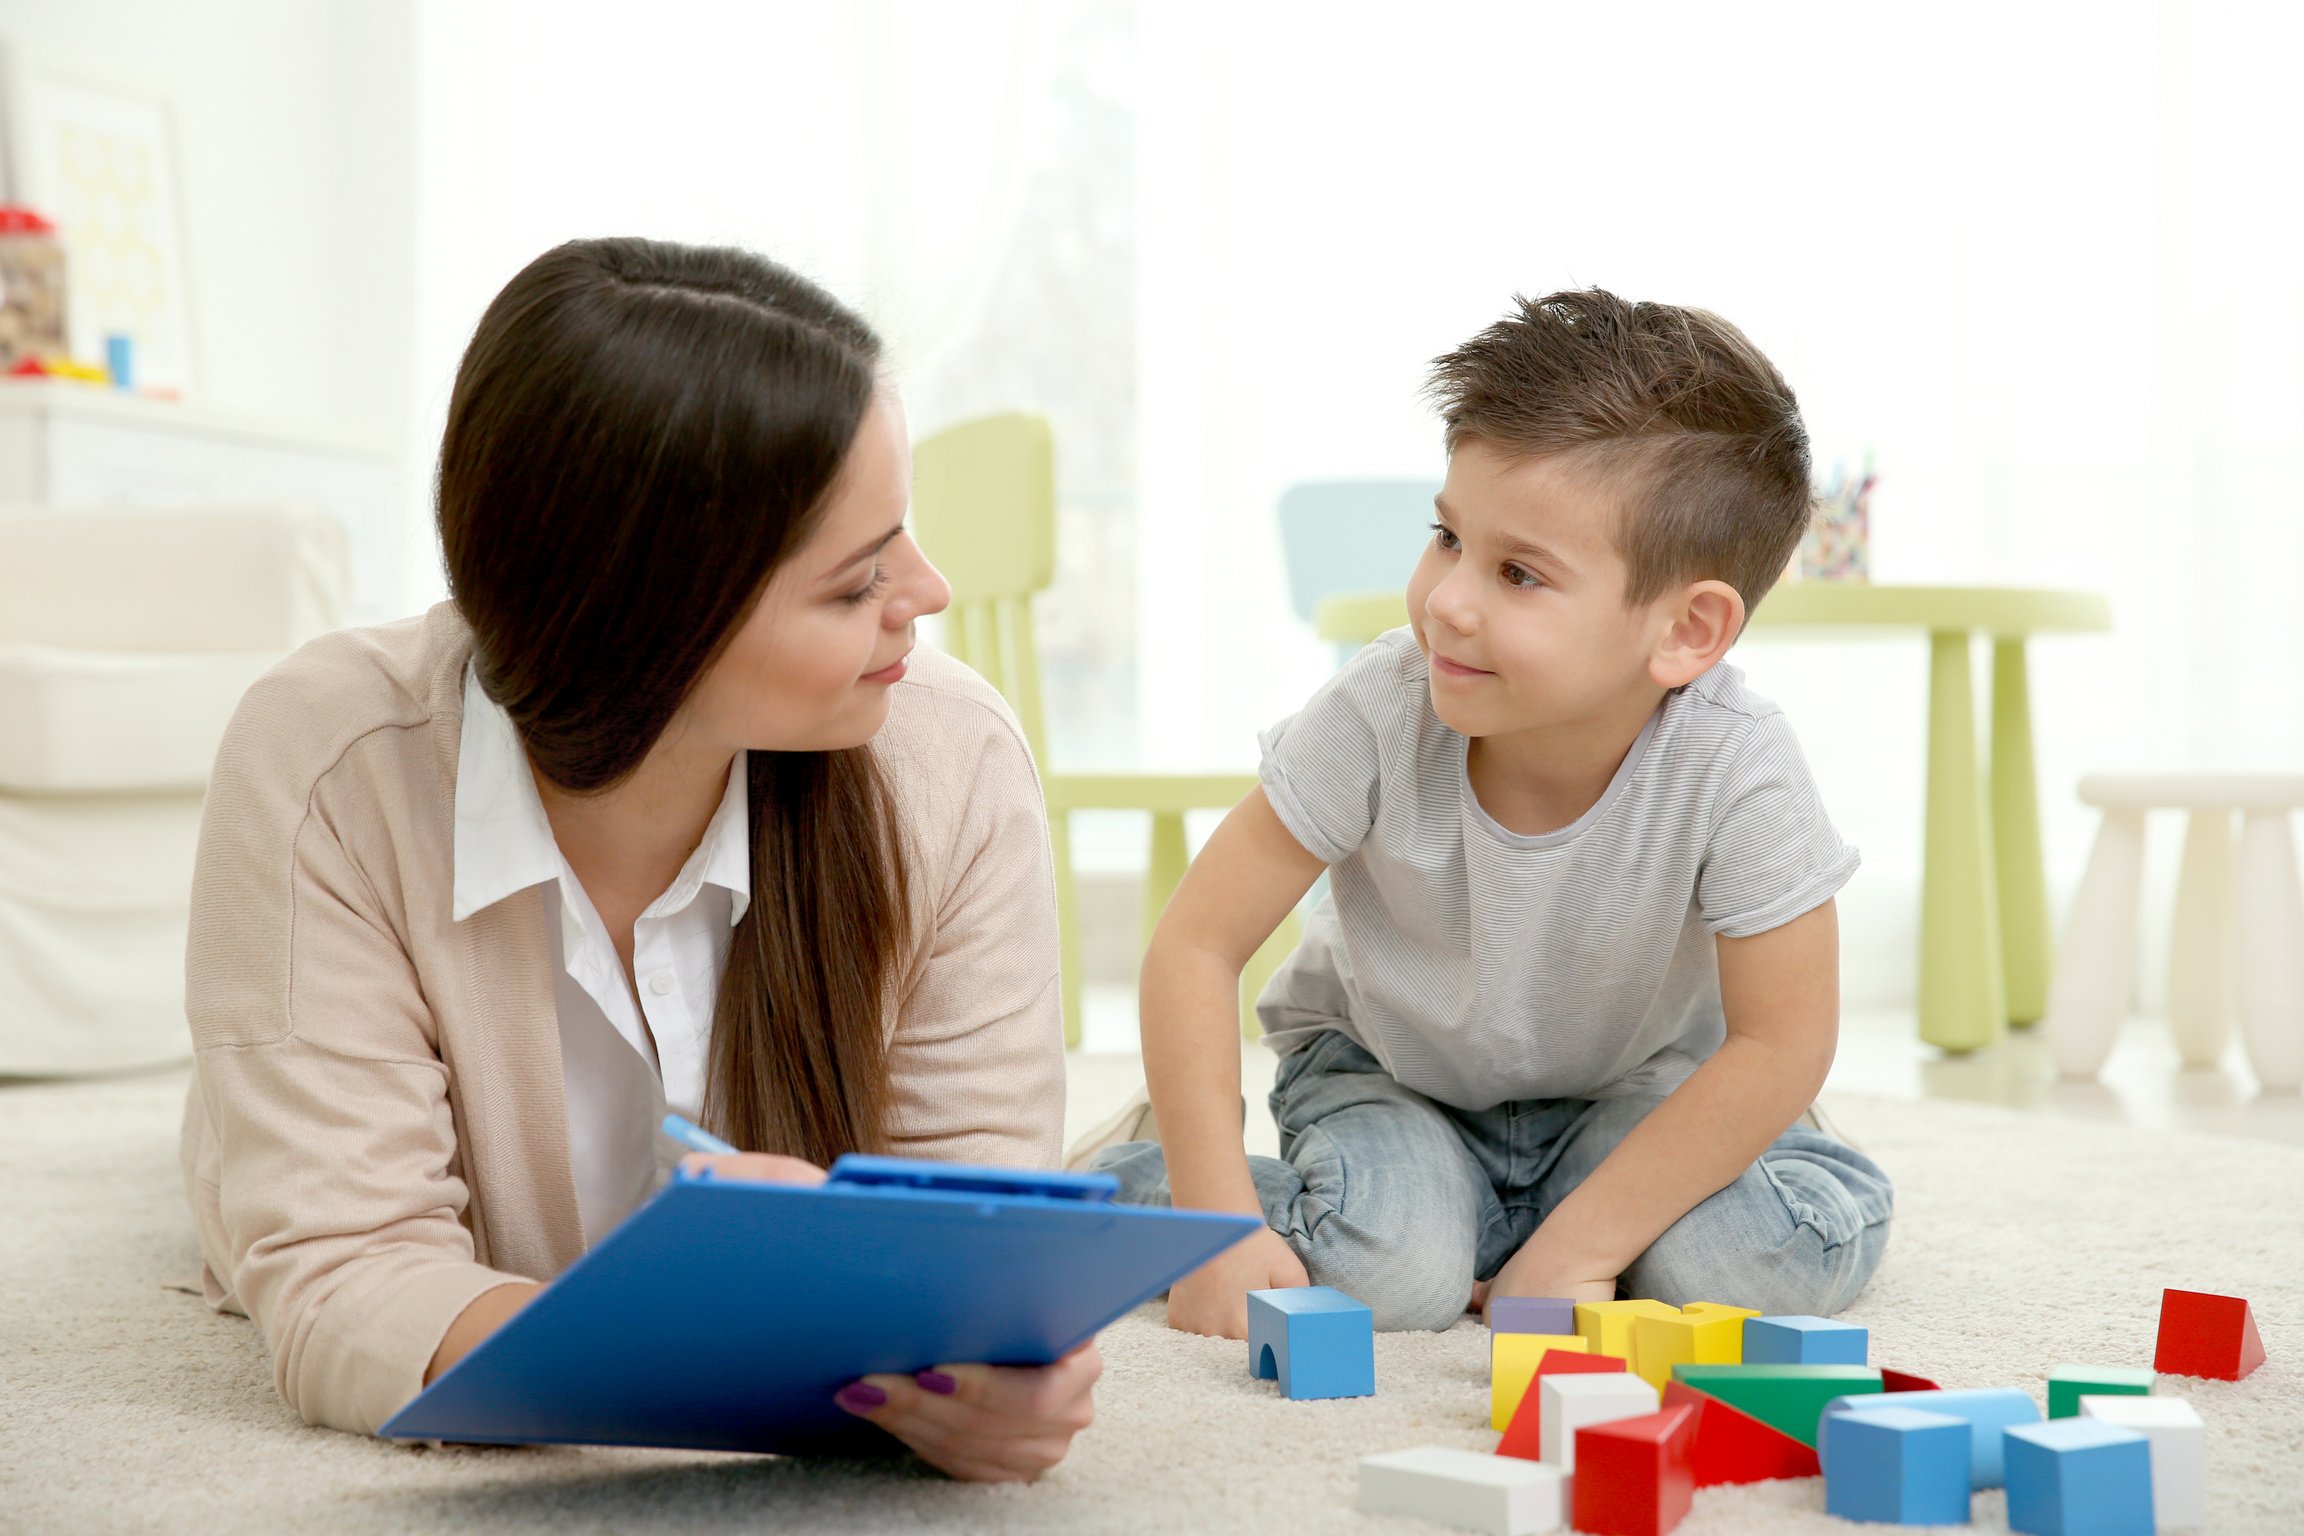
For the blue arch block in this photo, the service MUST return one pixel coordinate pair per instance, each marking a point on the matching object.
(1314, 1340)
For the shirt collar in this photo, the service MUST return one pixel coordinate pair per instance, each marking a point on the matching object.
(504, 841)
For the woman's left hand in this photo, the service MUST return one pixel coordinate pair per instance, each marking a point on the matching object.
(985, 1423)
(768, 1167)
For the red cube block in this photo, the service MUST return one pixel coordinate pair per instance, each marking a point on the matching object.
(1731, 1446)
(1524, 1436)
(1635, 1477)
(2207, 1335)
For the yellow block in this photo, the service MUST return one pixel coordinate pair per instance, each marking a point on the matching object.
(1607, 1325)
(1704, 1333)
(1512, 1362)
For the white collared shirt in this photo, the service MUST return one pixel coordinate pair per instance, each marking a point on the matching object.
(625, 1059)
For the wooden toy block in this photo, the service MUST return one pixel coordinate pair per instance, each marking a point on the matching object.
(2072, 1476)
(1901, 1466)
(1905, 1381)
(2202, 1334)
(1573, 1402)
(1703, 1334)
(1314, 1340)
(2179, 1453)
(1987, 1411)
(1734, 1447)
(2067, 1383)
(1515, 1364)
(1635, 1476)
(1787, 1397)
(1494, 1494)
(1607, 1325)
(1804, 1341)
(1531, 1314)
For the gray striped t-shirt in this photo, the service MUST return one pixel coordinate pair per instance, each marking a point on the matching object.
(1480, 965)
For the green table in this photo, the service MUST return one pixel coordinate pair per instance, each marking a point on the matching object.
(1985, 946)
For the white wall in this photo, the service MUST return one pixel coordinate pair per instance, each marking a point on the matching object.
(295, 164)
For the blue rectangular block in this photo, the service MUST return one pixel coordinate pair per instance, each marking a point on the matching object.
(1903, 1466)
(1314, 1340)
(2079, 1477)
(1805, 1341)
(1531, 1314)
(1988, 1412)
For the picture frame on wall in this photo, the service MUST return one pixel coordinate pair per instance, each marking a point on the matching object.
(100, 162)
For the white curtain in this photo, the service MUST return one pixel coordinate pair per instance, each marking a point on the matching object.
(2044, 261)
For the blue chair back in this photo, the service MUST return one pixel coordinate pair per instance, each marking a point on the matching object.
(1352, 536)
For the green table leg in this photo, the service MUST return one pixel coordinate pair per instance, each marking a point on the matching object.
(1169, 856)
(1962, 1005)
(2027, 945)
(1070, 985)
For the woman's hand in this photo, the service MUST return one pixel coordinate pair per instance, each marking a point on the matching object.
(767, 1167)
(1213, 1299)
(985, 1423)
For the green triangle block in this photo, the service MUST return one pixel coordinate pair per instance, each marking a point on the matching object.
(2068, 1383)
(1786, 1397)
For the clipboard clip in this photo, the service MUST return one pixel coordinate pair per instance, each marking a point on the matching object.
(856, 1170)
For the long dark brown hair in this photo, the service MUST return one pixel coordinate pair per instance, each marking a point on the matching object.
(640, 434)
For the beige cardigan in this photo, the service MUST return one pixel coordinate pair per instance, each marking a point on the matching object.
(376, 1131)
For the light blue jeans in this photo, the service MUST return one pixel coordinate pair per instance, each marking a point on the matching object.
(1402, 1202)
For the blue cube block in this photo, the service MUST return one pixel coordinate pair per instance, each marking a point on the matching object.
(2079, 1477)
(1804, 1341)
(1987, 1410)
(1531, 1314)
(1903, 1466)
(1314, 1340)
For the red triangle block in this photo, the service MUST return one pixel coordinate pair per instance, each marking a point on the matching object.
(2207, 1335)
(1635, 1477)
(1734, 1447)
(1524, 1436)
(1905, 1381)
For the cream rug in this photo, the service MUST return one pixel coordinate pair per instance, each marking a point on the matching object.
(2022, 1242)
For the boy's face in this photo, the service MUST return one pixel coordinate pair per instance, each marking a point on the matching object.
(1518, 600)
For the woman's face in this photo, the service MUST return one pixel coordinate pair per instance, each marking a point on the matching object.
(811, 668)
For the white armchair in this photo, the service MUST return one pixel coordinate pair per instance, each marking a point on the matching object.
(126, 639)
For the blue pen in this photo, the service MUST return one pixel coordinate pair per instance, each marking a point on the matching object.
(693, 1136)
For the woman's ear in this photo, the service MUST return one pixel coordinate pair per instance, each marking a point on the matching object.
(1704, 619)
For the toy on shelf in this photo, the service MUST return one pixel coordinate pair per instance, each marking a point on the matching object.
(1516, 1359)
(2073, 1475)
(1838, 544)
(2202, 1334)
(1734, 1447)
(1314, 1340)
(1493, 1494)
(1636, 1476)
(2067, 1383)
(1805, 1341)
(2179, 1453)
(31, 288)
(1901, 1466)
(1573, 1402)
(1987, 1411)
(1522, 1419)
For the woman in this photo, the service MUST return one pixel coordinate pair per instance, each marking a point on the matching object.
(660, 810)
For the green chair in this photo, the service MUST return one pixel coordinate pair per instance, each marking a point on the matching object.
(984, 510)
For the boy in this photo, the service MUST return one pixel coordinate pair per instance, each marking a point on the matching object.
(1577, 973)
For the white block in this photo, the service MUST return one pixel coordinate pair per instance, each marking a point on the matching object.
(2179, 1453)
(1573, 1400)
(1501, 1495)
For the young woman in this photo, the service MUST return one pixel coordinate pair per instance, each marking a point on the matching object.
(662, 809)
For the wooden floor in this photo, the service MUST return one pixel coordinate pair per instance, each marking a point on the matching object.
(2142, 1084)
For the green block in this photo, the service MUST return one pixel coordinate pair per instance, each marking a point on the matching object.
(2067, 1383)
(1786, 1397)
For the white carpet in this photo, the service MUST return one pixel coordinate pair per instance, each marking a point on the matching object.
(2022, 1242)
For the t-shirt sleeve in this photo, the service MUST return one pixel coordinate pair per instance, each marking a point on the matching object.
(1322, 765)
(1773, 854)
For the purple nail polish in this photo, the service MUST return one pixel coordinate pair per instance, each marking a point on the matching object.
(938, 1383)
(860, 1397)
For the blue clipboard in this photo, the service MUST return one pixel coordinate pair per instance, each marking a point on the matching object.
(724, 1313)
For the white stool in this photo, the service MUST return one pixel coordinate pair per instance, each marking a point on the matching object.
(2239, 929)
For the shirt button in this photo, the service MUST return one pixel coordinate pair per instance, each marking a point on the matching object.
(660, 983)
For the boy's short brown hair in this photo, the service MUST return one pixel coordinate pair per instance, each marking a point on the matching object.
(1673, 407)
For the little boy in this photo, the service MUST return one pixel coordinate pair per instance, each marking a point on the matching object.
(1577, 975)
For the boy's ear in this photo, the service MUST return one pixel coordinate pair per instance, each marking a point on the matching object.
(1703, 620)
